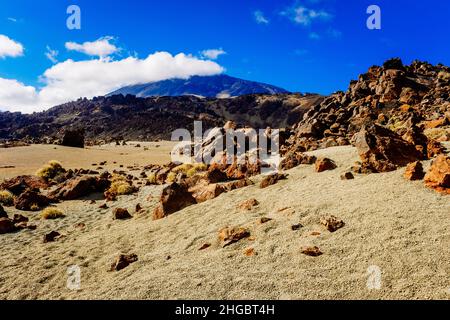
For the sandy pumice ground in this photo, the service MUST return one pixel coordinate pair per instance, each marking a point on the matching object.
(397, 225)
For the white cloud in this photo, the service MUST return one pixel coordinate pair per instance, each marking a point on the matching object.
(212, 53)
(304, 16)
(100, 48)
(260, 18)
(314, 36)
(12, 19)
(70, 80)
(51, 54)
(9, 47)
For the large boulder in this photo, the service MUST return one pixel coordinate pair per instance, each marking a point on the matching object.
(31, 201)
(73, 138)
(438, 177)
(381, 150)
(173, 198)
(7, 226)
(19, 184)
(80, 187)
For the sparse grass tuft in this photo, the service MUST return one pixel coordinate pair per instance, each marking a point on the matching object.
(6, 198)
(152, 178)
(121, 187)
(171, 177)
(51, 170)
(52, 213)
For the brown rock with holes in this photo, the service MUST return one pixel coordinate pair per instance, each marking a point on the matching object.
(381, 150)
(438, 176)
(6, 226)
(248, 204)
(312, 251)
(229, 236)
(332, 223)
(173, 198)
(414, 171)
(121, 214)
(52, 236)
(29, 199)
(123, 261)
(324, 164)
(272, 179)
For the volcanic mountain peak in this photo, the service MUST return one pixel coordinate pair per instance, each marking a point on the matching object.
(217, 86)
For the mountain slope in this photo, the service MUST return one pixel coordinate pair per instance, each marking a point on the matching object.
(206, 86)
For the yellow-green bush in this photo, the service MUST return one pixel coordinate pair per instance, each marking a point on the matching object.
(52, 169)
(52, 213)
(152, 178)
(121, 187)
(171, 177)
(6, 198)
(191, 169)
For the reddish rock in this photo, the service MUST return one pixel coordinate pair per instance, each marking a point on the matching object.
(7, 226)
(248, 204)
(229, 236)
(272, 179)
(324, 164)
(19, 184)
(294, 159)
(250, 252)
(173, 198)
(205, 246)
(347, 176)
(438, 176)
(332, 223)
(121, 214)
(203, 193)
(312, 251)
(123, 261)
(381, 150)
(80, 187)
(414, 171)
(233, 185)
(31, 200)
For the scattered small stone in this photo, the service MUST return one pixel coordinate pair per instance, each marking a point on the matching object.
(287, 210)
(315, 233)
(312, 251)
(332, 223)
(229, 236)
(138, 208)
(123, 261)
(296, 227)
(121, 214)
(264, 220)
(250, 252)
(248, 204)
(51, 237)
(205, 246)
(324, 164)
(92, 202)
(347, 176)
(103, 206)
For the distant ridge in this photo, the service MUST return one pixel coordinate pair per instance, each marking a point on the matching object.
(218, 86)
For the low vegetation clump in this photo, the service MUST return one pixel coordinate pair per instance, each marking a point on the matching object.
(152, 178)
(6, 198)
(52, 213)
(190, 169)
(51, 170)
(120, 186)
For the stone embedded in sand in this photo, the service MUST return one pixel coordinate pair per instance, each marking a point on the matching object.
(414, 171)
(3, 213)
(121, 214)
(332, 223)
(347, 176)
(438, 176)
(79, 187)
(381, 150)
(123, 261)
(264, 220)
(52, 236)
(103, 206)
(324, 164)
(18, 218)
(6, 226)
(73, 138)
(248, 204)
(31, 201)
(312, 251)
(294, 159)
(229, 236)
(296, 227)
(205, 246)
(237, 184)
(138, 208)
(202, 193)
(250, 252)
(272, 179)
(173, 198)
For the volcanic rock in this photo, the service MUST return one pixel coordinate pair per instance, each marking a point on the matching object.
(121, 214)
(414, 171)
(312, 251)
(123, 261)
(332, 223)
(73, 138)
(6, 226)
(324, 164)
(248, 204)
(51, 237)
(173, 198)
(271, 180)
(438, 176)
(31, 200)
(229, 236)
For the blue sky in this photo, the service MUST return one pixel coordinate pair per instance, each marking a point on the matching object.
(307, 46)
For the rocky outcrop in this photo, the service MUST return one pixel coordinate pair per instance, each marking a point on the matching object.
(31, 201)
(414, 171)
(80, 187)
(173, 198)
(324, 164)
(73, 138)
(19, 184)
(381, 150)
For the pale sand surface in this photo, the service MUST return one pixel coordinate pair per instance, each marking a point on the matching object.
(27, 160)
(400, 226)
